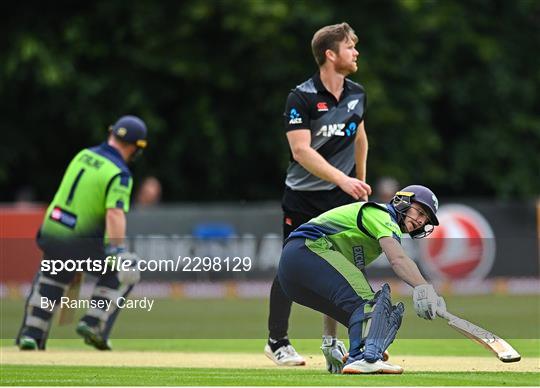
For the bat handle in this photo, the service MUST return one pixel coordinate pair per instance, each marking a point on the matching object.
(443, 313)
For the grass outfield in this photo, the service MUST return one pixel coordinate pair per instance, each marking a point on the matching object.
(103, 376)
(506, 316)
(441, 357)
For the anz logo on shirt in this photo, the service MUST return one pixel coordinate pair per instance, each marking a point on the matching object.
(294, 117)
(338, 130)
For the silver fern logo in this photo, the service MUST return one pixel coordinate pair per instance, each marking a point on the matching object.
(351, 105)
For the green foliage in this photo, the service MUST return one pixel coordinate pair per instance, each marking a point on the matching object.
(452, 90)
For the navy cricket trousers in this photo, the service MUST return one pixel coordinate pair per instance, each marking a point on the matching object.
(317, 277)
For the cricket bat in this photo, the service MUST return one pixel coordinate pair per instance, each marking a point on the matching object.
(67, 314)
(502, 349)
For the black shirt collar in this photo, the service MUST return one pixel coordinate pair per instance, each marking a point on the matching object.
(318, 83)
(320, 87)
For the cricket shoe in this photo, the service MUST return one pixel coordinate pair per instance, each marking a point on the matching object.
(27, 343)
(93, 337)
(364, 367)
(385, 356)
(284, 356)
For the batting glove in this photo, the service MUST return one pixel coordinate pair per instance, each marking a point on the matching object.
(441, 305)
(426, 301)
(129, 273)
(334, 350)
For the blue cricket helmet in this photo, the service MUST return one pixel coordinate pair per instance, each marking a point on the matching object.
(422, 195)
(426, 197)
(130, 129)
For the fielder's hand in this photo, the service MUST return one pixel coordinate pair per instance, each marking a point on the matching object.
(129, 273)
(426, 301)
(334, 350)
(354, 187)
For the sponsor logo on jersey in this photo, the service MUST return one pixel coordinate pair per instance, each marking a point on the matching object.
(56, 214)
(331, 130)
(351, 105)
(351, 129)
(358, 256)
(63, 217)
(337, 130)
(322, 107)
(294, 117)
(461, 247)
(389, 224)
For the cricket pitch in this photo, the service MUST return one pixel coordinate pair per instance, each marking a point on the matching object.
(13, 356)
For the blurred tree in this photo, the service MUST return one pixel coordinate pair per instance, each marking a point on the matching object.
(452, 90)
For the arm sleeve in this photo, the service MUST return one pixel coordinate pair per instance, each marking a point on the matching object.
(119, 192)
(379, 223)
(296, 115)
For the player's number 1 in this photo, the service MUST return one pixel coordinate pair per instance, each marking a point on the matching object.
(74, 186)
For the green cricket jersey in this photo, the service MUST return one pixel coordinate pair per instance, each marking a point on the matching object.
(353, 230)
(97, 179)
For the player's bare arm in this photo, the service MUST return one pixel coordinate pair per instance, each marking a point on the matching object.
(311, 160)
(425, 298)
(402, 264)
(360, 154)
(115, 226)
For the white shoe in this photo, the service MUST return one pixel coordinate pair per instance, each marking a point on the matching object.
(362, 366)
(385, 356)
(284, 356)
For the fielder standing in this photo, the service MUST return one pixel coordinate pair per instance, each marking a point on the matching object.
(322, 267)
(324, 122)
(87, 219)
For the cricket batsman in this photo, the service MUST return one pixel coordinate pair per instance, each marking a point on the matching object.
(86, 219)
(322, 267)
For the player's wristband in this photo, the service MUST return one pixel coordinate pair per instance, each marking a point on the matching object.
(111, 250)
(111, 253)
